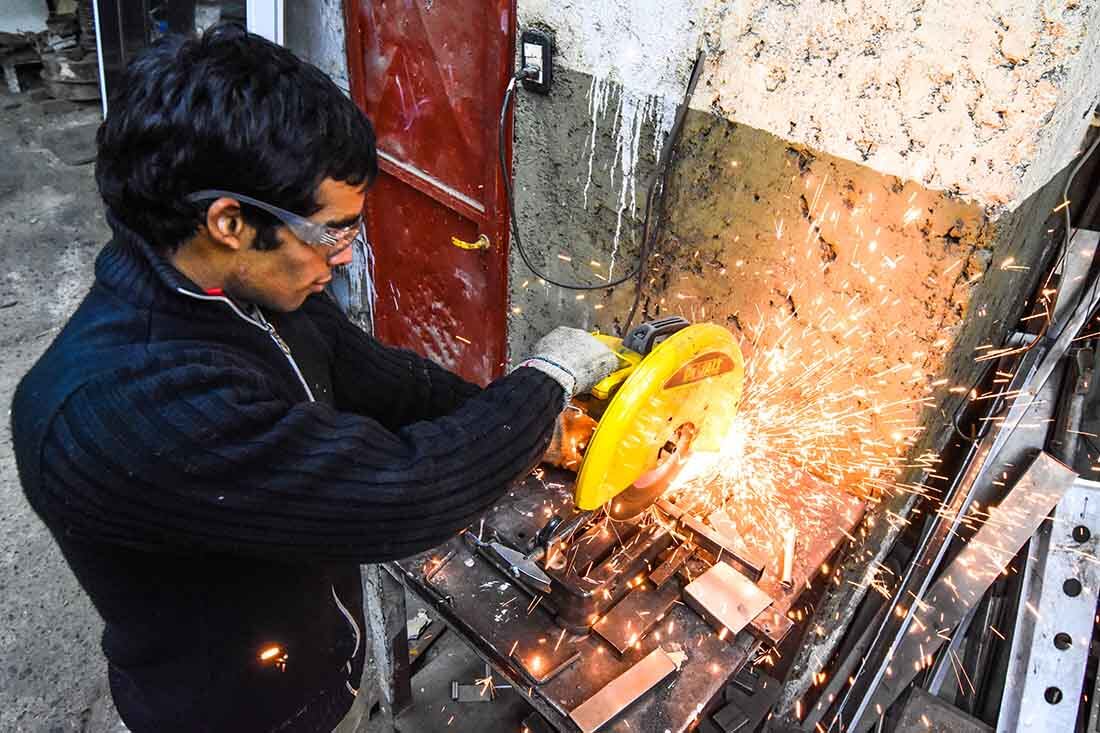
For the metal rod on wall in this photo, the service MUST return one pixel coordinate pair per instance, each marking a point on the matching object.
(99, 61)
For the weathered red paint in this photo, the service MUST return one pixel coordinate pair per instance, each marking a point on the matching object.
(431, 76)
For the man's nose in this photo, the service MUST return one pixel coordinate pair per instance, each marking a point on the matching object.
(341, 258)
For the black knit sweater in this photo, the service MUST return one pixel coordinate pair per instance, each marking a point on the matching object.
(214, 495)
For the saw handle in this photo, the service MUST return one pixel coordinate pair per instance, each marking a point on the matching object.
(642, 339)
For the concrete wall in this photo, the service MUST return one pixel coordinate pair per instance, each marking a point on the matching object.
(315, 31)
(881, 166)
(988, 106)
(881, 161)
(987, 101)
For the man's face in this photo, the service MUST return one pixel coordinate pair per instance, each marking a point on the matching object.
(282, 278)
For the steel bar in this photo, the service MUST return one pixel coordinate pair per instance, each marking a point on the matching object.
(929, 714)
(541, 664)
(726, 598)
(979, 482)
(967, 578)
(672, 564)
(1030, 379)
(723, 549)
(384, 601)
(914, 582)
(947, 659)
(1054, 622)
(637, 613)
(616, 695)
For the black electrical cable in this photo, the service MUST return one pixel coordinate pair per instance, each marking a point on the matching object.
(660, 179)
(512, 204)
(638, 273)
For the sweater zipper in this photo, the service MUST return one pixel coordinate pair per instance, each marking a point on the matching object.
(262, 324)
(266, 325)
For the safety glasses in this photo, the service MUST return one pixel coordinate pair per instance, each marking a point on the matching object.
(310, 232)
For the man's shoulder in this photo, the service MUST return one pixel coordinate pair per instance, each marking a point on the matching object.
(107, 343)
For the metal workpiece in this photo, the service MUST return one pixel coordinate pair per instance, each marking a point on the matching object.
(1078, 378)
(726, 598)
(721, 546)
(1055, 617)
(1001, 534)
(671, 564)
(616, 695)
(544, 647)
(509, 625)
(633, 617)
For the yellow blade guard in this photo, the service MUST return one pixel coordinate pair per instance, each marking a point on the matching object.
(684, 392)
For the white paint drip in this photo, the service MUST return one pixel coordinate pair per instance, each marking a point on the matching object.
(361, 275)
(597, 105)
(641, 50)
(634, 111)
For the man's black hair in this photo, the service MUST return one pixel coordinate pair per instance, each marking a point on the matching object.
(231, 111)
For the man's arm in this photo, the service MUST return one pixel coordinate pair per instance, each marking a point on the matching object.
(205, 458)
(395, 386)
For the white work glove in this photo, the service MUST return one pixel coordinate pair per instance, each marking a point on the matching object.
(575, 358)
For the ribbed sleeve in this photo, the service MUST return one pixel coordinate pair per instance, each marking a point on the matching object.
(396, 386)
(205, 456)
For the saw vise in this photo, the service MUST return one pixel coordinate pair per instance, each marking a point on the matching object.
(621, 567)
(675, 395)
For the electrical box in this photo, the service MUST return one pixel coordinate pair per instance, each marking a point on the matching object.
(536, 51)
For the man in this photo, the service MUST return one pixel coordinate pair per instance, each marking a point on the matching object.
(213, 445)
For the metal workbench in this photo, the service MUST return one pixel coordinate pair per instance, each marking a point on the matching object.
(523, 645)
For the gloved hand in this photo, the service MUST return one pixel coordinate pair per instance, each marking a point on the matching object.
(575, 358)
(572, 433)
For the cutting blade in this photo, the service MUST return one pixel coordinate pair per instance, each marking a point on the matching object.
(681, 398)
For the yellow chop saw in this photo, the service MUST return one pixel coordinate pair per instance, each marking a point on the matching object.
(675, 395)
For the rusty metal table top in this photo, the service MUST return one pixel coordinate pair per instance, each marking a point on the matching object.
(497, 619)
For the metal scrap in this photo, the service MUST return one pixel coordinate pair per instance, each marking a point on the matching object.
(965, 580)
(721, 547)
(637, 613)
(620, 692)
(726, 598)
(672, 564)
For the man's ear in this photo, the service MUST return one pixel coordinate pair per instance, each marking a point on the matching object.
(226, 224)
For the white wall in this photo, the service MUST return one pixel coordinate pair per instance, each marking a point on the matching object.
(987, 101)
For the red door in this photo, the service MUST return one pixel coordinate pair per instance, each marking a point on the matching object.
(431, 75)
